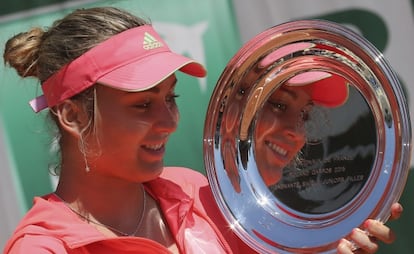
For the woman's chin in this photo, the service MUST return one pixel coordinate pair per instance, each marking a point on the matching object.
(272, 176)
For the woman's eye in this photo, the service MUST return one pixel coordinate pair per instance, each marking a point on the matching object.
(278, 106)
(172, 98)
(240, 94)
(304, 115)
(143, 105)
(306, 112)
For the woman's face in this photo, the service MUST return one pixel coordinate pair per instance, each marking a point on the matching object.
(280, 133)
(133, 130)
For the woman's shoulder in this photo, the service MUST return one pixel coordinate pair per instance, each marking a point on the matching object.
(29, 236)
(32, 243)
(48, 227)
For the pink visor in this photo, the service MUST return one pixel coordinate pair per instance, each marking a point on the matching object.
(326, 89)
(134, 60)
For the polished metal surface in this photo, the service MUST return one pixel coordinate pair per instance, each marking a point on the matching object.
(285, 197)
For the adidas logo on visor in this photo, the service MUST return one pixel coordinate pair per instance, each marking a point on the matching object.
(150, 42)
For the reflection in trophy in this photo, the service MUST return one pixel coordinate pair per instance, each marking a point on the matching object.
(307, 135)
(289, 116)
(334, 162)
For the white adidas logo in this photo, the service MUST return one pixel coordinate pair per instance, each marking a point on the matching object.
(150, 42)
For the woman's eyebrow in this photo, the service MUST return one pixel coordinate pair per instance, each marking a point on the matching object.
(289, 92)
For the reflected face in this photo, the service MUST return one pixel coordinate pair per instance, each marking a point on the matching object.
(280, 131)
(133, 129)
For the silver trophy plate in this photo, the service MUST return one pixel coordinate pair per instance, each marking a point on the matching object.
(345, 157)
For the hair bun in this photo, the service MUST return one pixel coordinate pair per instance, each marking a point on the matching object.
(22, 50)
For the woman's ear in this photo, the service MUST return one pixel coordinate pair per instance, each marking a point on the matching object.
(72, 117)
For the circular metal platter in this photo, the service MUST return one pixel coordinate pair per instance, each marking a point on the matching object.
(347, 154)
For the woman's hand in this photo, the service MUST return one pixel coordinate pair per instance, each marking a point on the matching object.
(367, 238)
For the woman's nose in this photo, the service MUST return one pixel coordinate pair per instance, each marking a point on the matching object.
(294, 129)
(167, 119)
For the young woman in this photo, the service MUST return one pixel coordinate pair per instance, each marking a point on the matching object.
(280, 131)
(108, 81)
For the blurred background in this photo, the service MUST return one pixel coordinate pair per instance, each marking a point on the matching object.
(210, 31)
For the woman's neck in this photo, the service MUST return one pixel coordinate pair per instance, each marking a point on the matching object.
(115, 204)
(107, 200)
